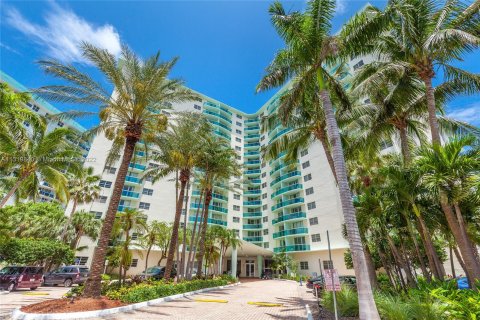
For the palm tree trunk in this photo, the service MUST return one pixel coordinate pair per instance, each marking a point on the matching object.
(14, 188)
(320, 135)
(471, 264)
(192, 240)
(184, 177)
(93, 284)
(371, 267)
(432, 110)
(400, 262)
(367, 308)
(433, 260)
(404, 145)
(201, 244)
(460, 260)
(69, 221)
(146, 258)
(181, 271)
(425, 272)
(463, 228)
(452, 264)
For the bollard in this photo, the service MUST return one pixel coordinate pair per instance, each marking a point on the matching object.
(300, 282)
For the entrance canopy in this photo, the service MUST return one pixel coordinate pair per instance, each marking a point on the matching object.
(248, 249)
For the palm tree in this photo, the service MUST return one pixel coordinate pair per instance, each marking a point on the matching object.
(180, 149)
(218, 164)
(310, 48)
(83, 188)
(153, 232)
(226, 238)
(419, 36)
(451, 172)
(39, 157)
(130, 116)
(129, 220)
(83, 224)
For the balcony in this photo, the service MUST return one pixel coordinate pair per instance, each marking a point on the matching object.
(283, 165)
(285, 190)
(254, 192)
(221, 125)
(257, 214)
(291, 216)
(252, 172)
(140, 154)
(122, 208)
(252, 203)
(217, 196)
(286, 177)
(251, 154)
(210, 221)
(253, 239)
(290, 232)
(254, 181)
(252, 129)
(221, 134)
(295, 247)
(218, 115)
(252, 145)
(250, 121)
(252, 163)
(252, 226)
(137, 166)
(133, 180)
(130, 194)
(210, 207)
(278, 134)
(287, 203)
(209, 104)
(255, 136)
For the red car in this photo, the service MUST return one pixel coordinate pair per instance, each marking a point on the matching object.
(16, 277)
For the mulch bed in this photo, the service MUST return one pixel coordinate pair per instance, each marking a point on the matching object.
(78, 305)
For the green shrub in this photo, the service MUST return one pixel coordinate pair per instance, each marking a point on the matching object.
(393, 308)
(347, 302)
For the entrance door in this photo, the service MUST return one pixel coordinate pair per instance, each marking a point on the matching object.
(250, 268)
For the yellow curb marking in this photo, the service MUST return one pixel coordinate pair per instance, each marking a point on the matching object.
(36, 294)
(266, 304)
(210, 300)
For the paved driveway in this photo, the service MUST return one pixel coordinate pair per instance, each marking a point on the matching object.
(289, 294)
(13, 300)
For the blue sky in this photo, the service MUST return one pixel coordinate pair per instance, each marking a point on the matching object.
(223, 46)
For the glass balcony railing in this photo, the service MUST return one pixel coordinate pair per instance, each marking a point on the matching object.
(253, 239)
(218, 123)
(133, 179)
(283, 165)
(251, 121)
(210, 220)
(252, 214)
(254, 181)
(291, 216)
(295, 173)
(295, 247)
(248, 172)
(140, 153)
(252, 145)
(279, 133)
(122, 208)
(210, 207)
(218, 196)
(252, 163)
(286, 189)
(218, 115)
(251, 154)
(249, 192)
(252, 136)
(289, 232)
(286, 203)
(221, 134)
(216, 106)
(252, 203)
(252, 226)
(130, 194)
(252, 129)
(137, 166)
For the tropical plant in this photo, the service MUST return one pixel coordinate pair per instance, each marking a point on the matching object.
(310, 50)
(155, 234)
(82, 224)
(130, 116)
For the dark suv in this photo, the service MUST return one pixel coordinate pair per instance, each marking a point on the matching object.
(16, 277)
(156, 273)
(67, 276)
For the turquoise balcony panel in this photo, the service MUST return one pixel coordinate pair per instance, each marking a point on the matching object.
(286, 189)
(279, 134)
(254, 181)
(252, 129)
(291, 216)
(137, 166)
(221, 125)
(224, 118)
(248, 121)
(217, 196)
(222, 134)
(218, 107)
(295, 247)
(253, 239)
(290, 232)
(252, 203)
(210, 207)
(252, 154)
(287, 203)
(255, 136)
(250, 192)
(286, 176)
(257, 214)
(252, 226)
(252, 145)
(122, 208)
(133, 180)
(255, 172)
(210, 221)
(283, 165)
(130, 194)
(140, 153)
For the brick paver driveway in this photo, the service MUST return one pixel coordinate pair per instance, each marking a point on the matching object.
(288, 293)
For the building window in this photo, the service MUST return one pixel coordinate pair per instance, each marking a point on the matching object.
(264, 174)
(81, 261)
(311, 205)
(316, 237)
(264, 164)
(239, 116)
(135, 236)
(358, 65)
(184, 211)
(60, 124)
(134, 263)
(105, 184)
(236, 219)
(265, 207)
(303, 153)
(197, 107)
(265, 232)
(367, 101)
(238, 131)
(102, 199)
(309, 191)
(327, 264)
(239, 124)
(236, 185)
(237, 232)
(305, 165)
(262, 138)
(97, 214)
(26, 123)
(238, 139)
(238, 148)
(264, 196)
(110, 170)
(264, 185)
(307, 177)
(265, 219)
(238, 157)
(35, 108)
(303, 265)
(313, 221)
(266, 245)
(236, 196)
(236, 208)
(144, 205)
(147, 191)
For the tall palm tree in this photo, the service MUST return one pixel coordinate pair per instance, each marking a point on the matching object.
(83, 224)
(180, 149)
(419, 36)
(82, 188)
(451, 172)
(218, 164)
(154, 231)
(310, 48)
(130, 116)
(40, 156)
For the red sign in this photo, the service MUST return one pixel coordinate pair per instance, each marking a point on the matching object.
(332, 282)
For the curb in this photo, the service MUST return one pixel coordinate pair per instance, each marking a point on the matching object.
(19, 315)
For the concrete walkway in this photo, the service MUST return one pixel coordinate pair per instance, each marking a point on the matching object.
(288, 293)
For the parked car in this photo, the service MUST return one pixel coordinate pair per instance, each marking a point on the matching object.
(311, 281)
(319, 284)
(155, 273)
(67, 276)
(16, 277)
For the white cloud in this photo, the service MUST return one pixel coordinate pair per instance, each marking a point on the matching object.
(341, 6)
(63, 31)
(470, 114)
(6, 47)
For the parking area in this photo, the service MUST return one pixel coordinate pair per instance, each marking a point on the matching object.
(22, 297)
